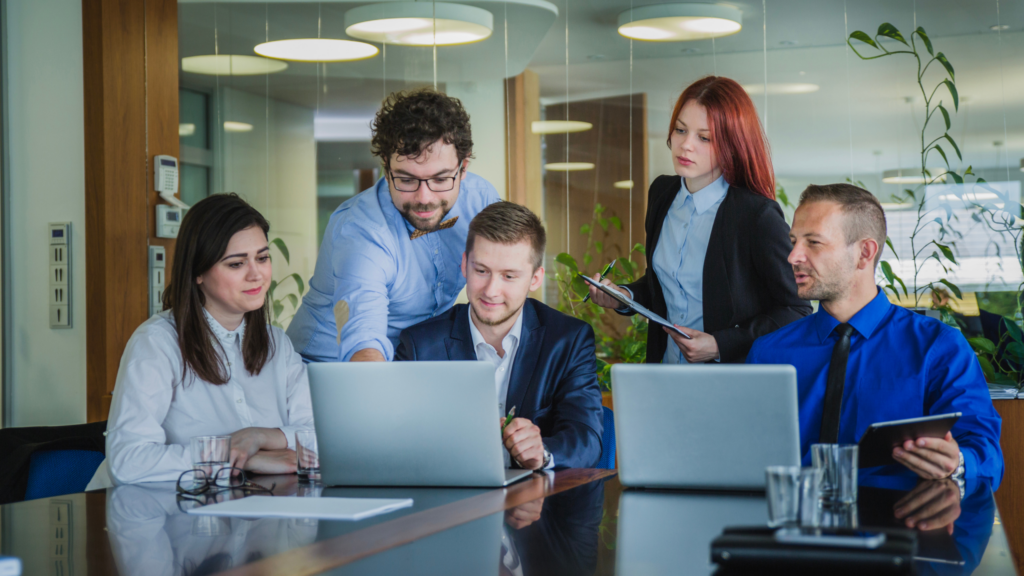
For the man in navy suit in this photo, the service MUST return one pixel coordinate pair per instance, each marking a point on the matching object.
(544, 360)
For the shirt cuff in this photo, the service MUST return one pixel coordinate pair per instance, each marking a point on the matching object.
(289, 434)
(625, 309)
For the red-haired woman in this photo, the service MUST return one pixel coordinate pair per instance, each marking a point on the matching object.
(716, 248)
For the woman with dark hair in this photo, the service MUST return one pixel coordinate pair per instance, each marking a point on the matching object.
(717, 249)
(209, 364)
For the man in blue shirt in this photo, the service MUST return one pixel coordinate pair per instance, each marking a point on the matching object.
(899, 364)
(391, 255)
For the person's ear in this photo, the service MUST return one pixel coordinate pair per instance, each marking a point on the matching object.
(465, 166)
(868, 250)
(464, 258)
(538, 279)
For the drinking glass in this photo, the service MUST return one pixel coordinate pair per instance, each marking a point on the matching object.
(810, 496)
(783, 494)
(210, 454)
(308, 466)
(839, 465)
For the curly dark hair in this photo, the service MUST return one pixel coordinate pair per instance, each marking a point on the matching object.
(410, 121)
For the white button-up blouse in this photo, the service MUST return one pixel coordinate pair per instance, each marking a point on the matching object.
(153, 413)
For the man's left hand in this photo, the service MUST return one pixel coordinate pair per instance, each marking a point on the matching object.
(929, 458)
(523, 442)
(702, 347)
(932, 504)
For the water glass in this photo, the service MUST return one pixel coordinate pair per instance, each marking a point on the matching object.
(210, 454)
(839, 463)
(308, 466)
(783, 494)
(840, 516)
(810, 496)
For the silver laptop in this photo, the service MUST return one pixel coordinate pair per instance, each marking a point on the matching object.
(408, 424)
(704, 426)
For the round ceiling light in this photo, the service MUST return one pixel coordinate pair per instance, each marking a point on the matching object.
(419, 23)
(231, 65)
(185, 130)
(781, 88)
(559, 126)
(679, 22)
(317, 50)
(569, 166)
(913, 176)
(623, 184)
(1022, 164)
(232, 126)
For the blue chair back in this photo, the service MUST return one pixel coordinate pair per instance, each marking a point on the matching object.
(607, 460)
(57, 472)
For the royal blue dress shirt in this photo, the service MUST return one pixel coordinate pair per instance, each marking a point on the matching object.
(902, 365)
(371, 280)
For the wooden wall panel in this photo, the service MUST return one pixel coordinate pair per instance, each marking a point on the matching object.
(526, 185)
(122, 131)
(1010, 497)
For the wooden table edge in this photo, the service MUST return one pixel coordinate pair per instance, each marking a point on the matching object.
(328, 554)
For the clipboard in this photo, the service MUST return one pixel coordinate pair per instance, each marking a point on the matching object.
(881, 437)
(632, 305)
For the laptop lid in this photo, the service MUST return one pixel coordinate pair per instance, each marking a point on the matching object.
(704, 426)
(408, 424)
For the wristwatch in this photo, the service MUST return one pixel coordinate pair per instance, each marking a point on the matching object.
(547, 458)
(958, 475)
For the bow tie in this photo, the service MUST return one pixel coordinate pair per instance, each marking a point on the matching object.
(442, 226)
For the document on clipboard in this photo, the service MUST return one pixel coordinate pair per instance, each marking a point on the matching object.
(632, 305)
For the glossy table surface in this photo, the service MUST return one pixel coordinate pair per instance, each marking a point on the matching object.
(567, 523)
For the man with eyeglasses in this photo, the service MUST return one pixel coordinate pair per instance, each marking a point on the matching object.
(391, 255)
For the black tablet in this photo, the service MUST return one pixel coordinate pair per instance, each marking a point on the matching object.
(881, 437)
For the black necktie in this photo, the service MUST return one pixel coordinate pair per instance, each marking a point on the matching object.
(834, 389)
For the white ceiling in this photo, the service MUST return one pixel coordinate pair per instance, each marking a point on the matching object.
(862, 101)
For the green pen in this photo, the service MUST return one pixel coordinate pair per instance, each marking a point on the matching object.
(511, 414)
(603, 274)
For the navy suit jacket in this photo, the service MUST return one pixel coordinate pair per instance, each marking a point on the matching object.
(554, 374)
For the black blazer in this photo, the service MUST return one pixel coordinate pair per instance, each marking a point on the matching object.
(554, 374)
(749, 287)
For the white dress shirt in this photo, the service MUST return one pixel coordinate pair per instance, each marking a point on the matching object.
(154, 413)
(502, 364)
(679, 256)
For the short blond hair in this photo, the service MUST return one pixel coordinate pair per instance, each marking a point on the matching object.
(509, 223)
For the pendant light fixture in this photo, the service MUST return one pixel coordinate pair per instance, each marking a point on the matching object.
(231, 65)
(419, 23)
(569, 166)
(680, 22)
(317, 50)
(559, 126)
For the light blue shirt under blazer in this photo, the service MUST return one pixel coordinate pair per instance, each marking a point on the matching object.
(387, 281)
(679, 256)
(901, 365)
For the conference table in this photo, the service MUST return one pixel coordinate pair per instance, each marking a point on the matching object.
(570, 522)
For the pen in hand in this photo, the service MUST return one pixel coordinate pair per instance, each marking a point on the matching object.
(511, 414)
(607, 269)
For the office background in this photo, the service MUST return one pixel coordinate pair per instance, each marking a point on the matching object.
(295, 142)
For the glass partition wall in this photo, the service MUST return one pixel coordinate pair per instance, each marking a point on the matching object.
(293, 137)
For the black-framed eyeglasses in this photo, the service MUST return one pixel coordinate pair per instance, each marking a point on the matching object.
(203, 483)
(435, 184)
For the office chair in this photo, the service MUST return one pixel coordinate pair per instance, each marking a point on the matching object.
(607, 460)
(57, 472)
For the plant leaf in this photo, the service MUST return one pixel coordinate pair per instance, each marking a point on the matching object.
(568, 261)
(587, 259)
(987, 368)
(278, 308)
(579, 286)
(890, 31)
(639, 248)
(283, 248)
(273, 286)
(585, 229)
(863, 37)
(955, 147)
(953, 92)
(298, 280)
(945, 115)
(599, 246)
(293, 299)
(1013, 330)
(924, 38)
(945, 63)
(947, 253)
(982, 344)
(888, 242)
(943, 154)
(1016, 350)
(615, 222)
(887, 272)
(953, 287)
(956, 177)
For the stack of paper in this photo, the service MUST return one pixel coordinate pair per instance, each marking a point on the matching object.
(1002, 392)
(296, 507)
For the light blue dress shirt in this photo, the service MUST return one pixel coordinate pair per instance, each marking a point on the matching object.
(679, 256)
(387, 281)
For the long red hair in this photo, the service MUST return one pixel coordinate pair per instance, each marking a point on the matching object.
(739, 143)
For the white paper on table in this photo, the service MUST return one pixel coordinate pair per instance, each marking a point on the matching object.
(325, 508)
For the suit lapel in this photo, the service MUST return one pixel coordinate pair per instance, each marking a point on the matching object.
(459, 342)
(525, 362)
(716, 291)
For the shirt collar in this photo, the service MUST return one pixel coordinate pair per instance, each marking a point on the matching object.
(507, 342)
(222, 333)
(708, 196)
(865, 321)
